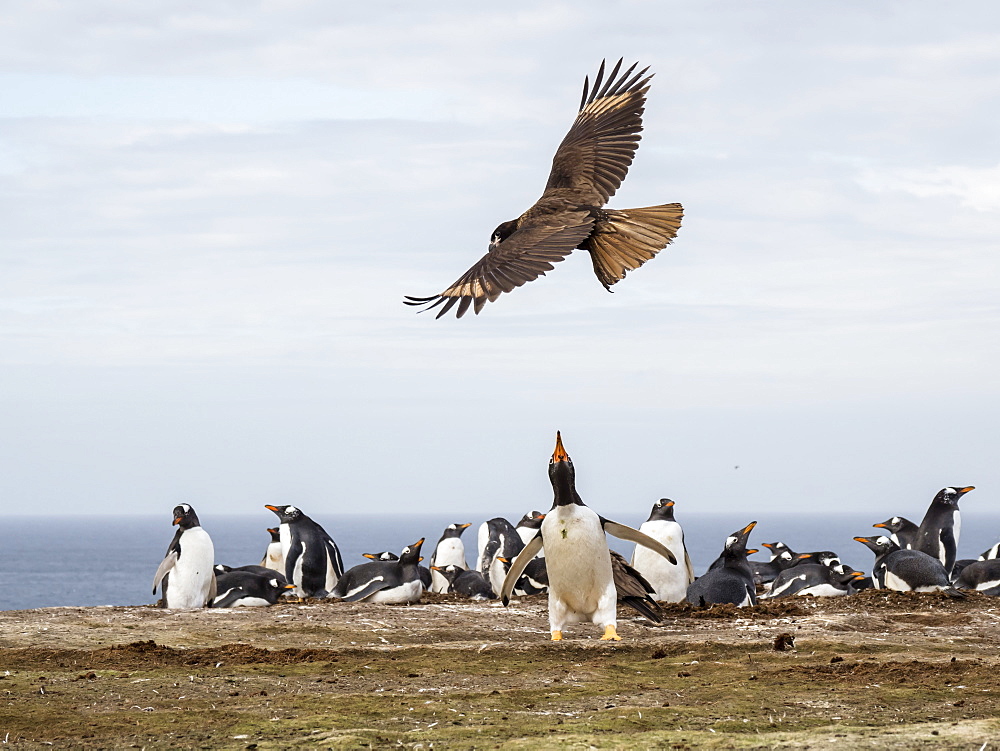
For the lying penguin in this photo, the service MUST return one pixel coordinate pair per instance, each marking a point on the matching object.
(393, 582)
(577, 558)
(982, 576)
(241, 588)
(906, 570)
(465, 582)
(813, 579)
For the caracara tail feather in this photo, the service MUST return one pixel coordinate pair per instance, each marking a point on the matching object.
(624, 240)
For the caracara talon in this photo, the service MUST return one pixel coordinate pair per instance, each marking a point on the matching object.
(557, 636)
(610, 634)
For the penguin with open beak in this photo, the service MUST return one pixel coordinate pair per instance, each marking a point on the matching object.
(581, 582)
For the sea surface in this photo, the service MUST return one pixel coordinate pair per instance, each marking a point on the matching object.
(85, 561)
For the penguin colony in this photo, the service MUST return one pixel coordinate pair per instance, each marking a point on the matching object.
(563, 554)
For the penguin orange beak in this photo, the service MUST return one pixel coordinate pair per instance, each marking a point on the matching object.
(751, 551)
(803, 556)
(436, 568)
(861, 539)
(880, 524)
(559, 455)
(418, 542)
(273, 530)
(768, 545)
(963, 491)
(368, 555)
(463, 526)
(175, 521)
(272, 508)
(747, 528)
(289, 586)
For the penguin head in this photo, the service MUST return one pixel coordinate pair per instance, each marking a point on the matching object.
(950, 496)
(185, 517)
(385, 555)
(287, 514)
(563, 476)
(878, 544)
(449, 572)
(531, 520)
(275, 534)
(411, 553)
(663, 510)
(455, 530)
(736, 543)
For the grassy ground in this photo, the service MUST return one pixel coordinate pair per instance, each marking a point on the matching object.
(877, 672)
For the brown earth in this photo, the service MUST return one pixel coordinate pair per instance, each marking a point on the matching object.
(875, 670)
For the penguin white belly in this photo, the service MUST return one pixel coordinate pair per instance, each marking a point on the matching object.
(331, 571)
(190, 580)
(822, 590)
(401, 595)
(894, 582)
(785, 586)
(983, 586)
(274, 558)
(482, 540)
(581, 587)
(669, 581)
(297, 572)
(449, 552)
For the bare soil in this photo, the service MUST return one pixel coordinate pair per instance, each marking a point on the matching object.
(874, 670)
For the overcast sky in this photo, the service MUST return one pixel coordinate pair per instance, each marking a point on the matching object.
(210, 213)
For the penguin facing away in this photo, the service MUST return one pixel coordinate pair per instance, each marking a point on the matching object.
(312, 559)
(941, 526)
(248, 589)
(273, 558)
(669, 582)
(577, 558)
(450, 551)
(732, 582)
(186, 571)
(392, 582)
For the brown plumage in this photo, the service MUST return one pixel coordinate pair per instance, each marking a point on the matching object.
(588, 168)
(633, 589)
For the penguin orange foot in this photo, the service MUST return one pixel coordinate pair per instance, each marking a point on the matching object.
(557, 636)
(610, 634)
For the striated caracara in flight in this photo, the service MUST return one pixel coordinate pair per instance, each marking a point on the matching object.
(588, 168)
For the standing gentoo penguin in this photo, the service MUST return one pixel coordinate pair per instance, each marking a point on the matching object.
(248, 589)
(732, 582)
(393, 582)
(312, 559)
(450, 551)
(669, 582)
(273, 558)
(939, 531)
(498, 538)
(465, 582)
(581, 583)
(186, 571)
(906, 570)
(902, 531)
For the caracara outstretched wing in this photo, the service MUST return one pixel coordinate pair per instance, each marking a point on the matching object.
(526, 255)
(598, 150)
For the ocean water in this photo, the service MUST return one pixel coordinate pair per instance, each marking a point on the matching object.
(84, 561)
